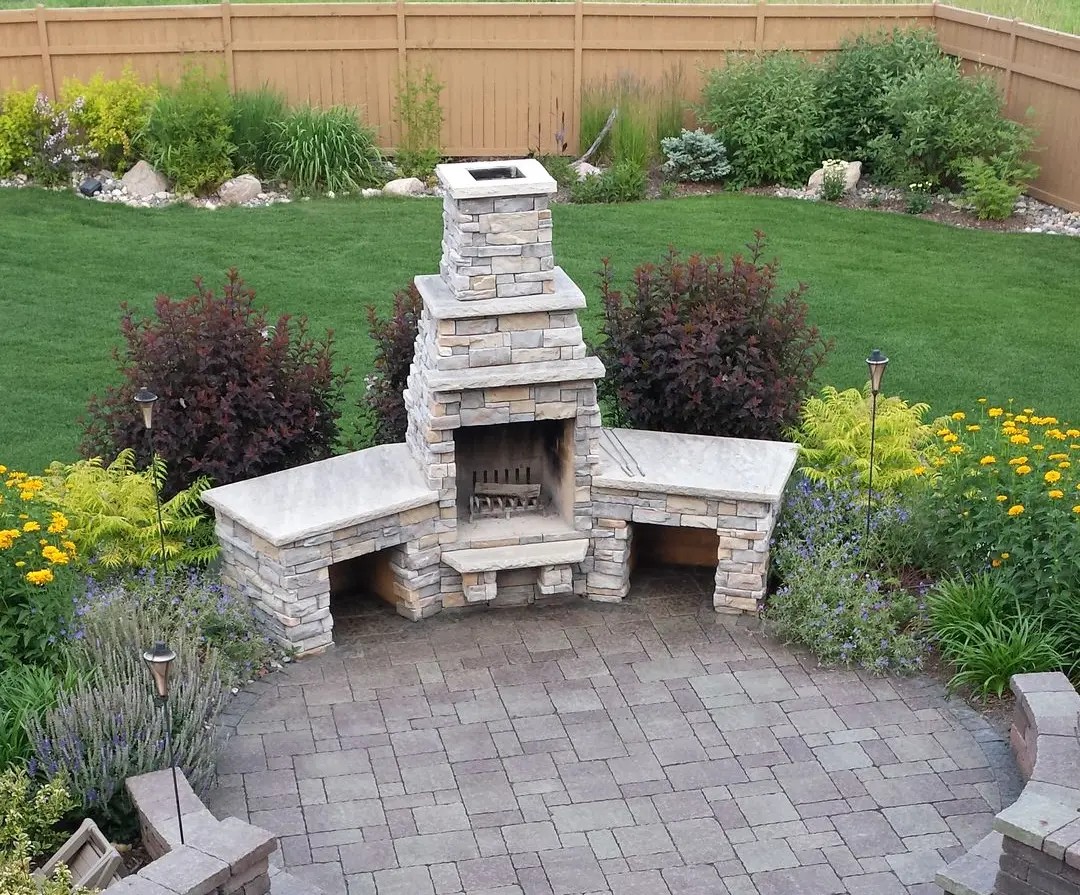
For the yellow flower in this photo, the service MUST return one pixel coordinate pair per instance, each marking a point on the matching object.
(8, 536)
(1029, 410)
(1049, 420)
(943, 432)
(995, 412)
(59, 523)
(1023, 470)
(1004, 555)
(987, 460)
(1056, 493)
(995, 563)
(42, 577)
(918, 470)
(1052, 476)
(982, 400)
(959, 415)
(31, 526)
(974, 428)
(948, 439)
(26, 495)
(940, 461)
(1056, 434)
(1074, 447)
(1019, 439)
(1037, 447)
(1073, 433)
(1016, 509)
(1058, 456)
(70, 547)
(1020, 418)
(19, 564)
(1018, 461)
(1076, 509)
(3, 469)
(1064, 464)
(1001, 498)
(956, 449)
(54, 555)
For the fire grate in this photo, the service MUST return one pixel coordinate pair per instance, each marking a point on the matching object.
(495, 499)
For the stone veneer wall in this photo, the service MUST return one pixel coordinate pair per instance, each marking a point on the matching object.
(744, 527)
(290, 583)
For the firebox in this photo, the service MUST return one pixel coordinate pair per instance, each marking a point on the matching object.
(515, 469)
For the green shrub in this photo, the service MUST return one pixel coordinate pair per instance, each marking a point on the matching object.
(320, 150)
(919, 197)
(188, 136)
(104, 731)
(938, 119)
(996, 650)
(52, 146)
(853, 81)
(1062, 613)
(191, 606)
(29, 814)
(559, 167)
(395, 338)
(834, 438)
(420, 116)
(767, 112)
(18, 123)
(624, 182)
(256, 115)
(695, 156)
(16, 879)
(113, 515)
(26, 691)
(111, 114)
(992, 195)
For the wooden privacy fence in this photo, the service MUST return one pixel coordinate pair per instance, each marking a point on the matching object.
(514, 72)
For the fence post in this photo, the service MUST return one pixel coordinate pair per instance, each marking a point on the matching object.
(226, 41)
(46, 59)
(579, 40)
(402, 55)
(759, 27)
(1012, 62)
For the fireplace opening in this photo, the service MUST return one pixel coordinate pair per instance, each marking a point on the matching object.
(516, 469)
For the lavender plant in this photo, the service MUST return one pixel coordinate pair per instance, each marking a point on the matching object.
(109, 728)
(55, 146)
(835, 597)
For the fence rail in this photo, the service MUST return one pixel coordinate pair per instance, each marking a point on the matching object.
(514, 72)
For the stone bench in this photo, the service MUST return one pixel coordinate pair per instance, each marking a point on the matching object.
(226, 857)
(479, 567)
(1035, 846)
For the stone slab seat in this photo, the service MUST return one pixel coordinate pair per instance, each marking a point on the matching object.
(694, 465)
(327, 495)
(525, 556)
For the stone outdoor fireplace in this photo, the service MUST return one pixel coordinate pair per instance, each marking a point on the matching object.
(507, 489)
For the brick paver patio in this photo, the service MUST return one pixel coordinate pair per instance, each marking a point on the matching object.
(636, 749)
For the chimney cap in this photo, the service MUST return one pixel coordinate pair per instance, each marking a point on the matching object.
(497, 179)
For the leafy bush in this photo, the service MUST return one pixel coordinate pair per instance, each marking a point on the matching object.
(919, 197)
(36, 576)
(113, 514)
(111, 113)
(624, 182)
(767, 112)
(560, 167)
(256, 116)
(695, 156)
(832, 598)
(18, 125)
(189, 606)
(188, 136)
(108, 729)
(16, 879)
(992, 195)
(853, 81)
(26, 691)
(29, 814)
(705, 346)
(420, 117)
(938, 119)
(237, 398)
(395, 338)
(1004, 495)
(325, 149)
(51, 145)
(834, 437)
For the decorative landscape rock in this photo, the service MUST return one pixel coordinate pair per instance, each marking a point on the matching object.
(584, 169)
(852, 174)
(240, 189)
(405, 186)
(143, 181)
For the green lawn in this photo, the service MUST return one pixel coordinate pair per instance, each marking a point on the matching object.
(960, 313)
(1063, 15)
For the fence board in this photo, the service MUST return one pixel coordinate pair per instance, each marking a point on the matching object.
(514, 73)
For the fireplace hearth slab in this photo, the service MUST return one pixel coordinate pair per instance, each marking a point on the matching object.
(694, 465)
(442, 304)
(524, 556)
(585, 369)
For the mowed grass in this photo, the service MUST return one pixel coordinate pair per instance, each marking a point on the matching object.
(960, 313)
(1062, 15)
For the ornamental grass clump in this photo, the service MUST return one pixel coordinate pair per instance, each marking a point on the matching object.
(834, 595)
(37, 577)
(321, 150)
(1004, 494)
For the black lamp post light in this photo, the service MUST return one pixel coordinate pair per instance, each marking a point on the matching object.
(159, 661)
(146, 400)
(876, 362)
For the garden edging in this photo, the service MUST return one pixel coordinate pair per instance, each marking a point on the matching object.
(1035, 845)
